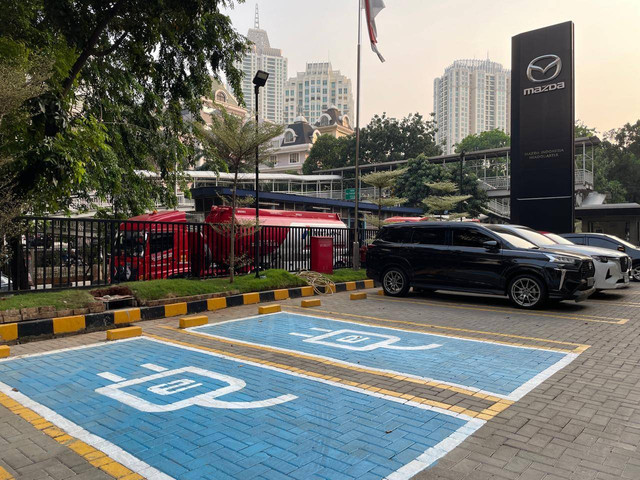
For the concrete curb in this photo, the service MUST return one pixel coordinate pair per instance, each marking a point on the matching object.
(11, 333)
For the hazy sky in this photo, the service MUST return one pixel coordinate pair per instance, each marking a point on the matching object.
(419, 38)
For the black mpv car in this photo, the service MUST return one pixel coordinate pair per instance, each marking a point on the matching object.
(471, 257)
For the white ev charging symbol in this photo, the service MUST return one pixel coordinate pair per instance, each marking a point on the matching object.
(358, 340)
(208, 399)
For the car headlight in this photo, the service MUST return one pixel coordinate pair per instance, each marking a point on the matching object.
(600, 258)
(562, 259)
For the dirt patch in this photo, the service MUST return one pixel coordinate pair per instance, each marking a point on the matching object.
(111, 291)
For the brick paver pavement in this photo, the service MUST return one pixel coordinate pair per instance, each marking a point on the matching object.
(582, 423)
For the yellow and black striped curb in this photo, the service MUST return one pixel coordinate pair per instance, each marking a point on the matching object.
(19, 331)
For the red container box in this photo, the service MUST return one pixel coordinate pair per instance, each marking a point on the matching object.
(322, 254)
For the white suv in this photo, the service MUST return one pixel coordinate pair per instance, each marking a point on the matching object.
(612, 268)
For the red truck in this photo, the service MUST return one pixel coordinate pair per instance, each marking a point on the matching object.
(163, 245)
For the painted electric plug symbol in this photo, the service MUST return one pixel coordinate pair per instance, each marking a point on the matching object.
(358, 340)
(208, 399)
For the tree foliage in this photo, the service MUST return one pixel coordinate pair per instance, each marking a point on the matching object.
(384, 183)
(414, 184)
(483, 141)
(384, 139)
(617, 164)
(442, 200)
(327, 152)
(125, 75)
(233, 142)
(20, 80)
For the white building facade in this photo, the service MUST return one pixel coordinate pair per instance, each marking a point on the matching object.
(263, 57)
(472, 96)
(315, 90)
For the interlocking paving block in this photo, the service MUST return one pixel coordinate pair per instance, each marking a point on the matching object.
(167, 410)
(504, 371)
(358, 296)
(4, 351)
(313, 302)
(264, 309)
(188, 322)
(126, 332)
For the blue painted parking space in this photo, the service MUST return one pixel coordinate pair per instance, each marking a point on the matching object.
(502, 370)
(170, 411)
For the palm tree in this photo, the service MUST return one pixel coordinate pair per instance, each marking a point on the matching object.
(233, 141)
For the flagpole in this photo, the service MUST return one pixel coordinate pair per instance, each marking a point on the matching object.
(356, 243)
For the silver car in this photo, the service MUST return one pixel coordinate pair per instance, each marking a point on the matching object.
(613, 269)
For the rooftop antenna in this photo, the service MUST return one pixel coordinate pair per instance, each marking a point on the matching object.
(256, 21)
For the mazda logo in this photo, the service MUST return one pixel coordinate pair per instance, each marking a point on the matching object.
(544, 64)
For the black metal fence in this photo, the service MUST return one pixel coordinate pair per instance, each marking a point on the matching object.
(55, 253)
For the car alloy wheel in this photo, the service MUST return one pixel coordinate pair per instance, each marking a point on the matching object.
(526, 292)
(635, 272)
(395, 282)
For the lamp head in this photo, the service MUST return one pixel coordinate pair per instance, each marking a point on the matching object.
(260, 78)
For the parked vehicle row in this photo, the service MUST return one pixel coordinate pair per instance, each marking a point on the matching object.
(529, 267)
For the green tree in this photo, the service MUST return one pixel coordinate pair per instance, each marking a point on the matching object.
(414, 184)
(233, 142)
(127, 75)
(442, 200)
(388, 139)
(327, 152)
(617, 164)
(384, 139)
(483, 141)
(20, 80)
(382, 181)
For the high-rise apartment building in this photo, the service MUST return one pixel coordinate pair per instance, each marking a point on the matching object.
(472, 96)
(263, 57)
(315, 90)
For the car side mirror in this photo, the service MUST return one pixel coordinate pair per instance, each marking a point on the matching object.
(621, 248)
(490, 245)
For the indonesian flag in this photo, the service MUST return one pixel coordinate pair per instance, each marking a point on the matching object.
(373, 8)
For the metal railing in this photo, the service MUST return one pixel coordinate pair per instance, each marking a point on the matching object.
(55, 253)
(582, 178)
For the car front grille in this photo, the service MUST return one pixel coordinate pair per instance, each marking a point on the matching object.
(624, 264)
(587, 269)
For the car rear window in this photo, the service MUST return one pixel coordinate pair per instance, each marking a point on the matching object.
(577, 240)
(395, 235)
(602, 242)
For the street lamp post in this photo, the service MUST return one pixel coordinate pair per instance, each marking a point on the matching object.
(259, 80)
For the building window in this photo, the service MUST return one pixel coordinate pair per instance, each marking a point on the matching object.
(293, 157)
(273, 159)
(288, 137)
(221, 97)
